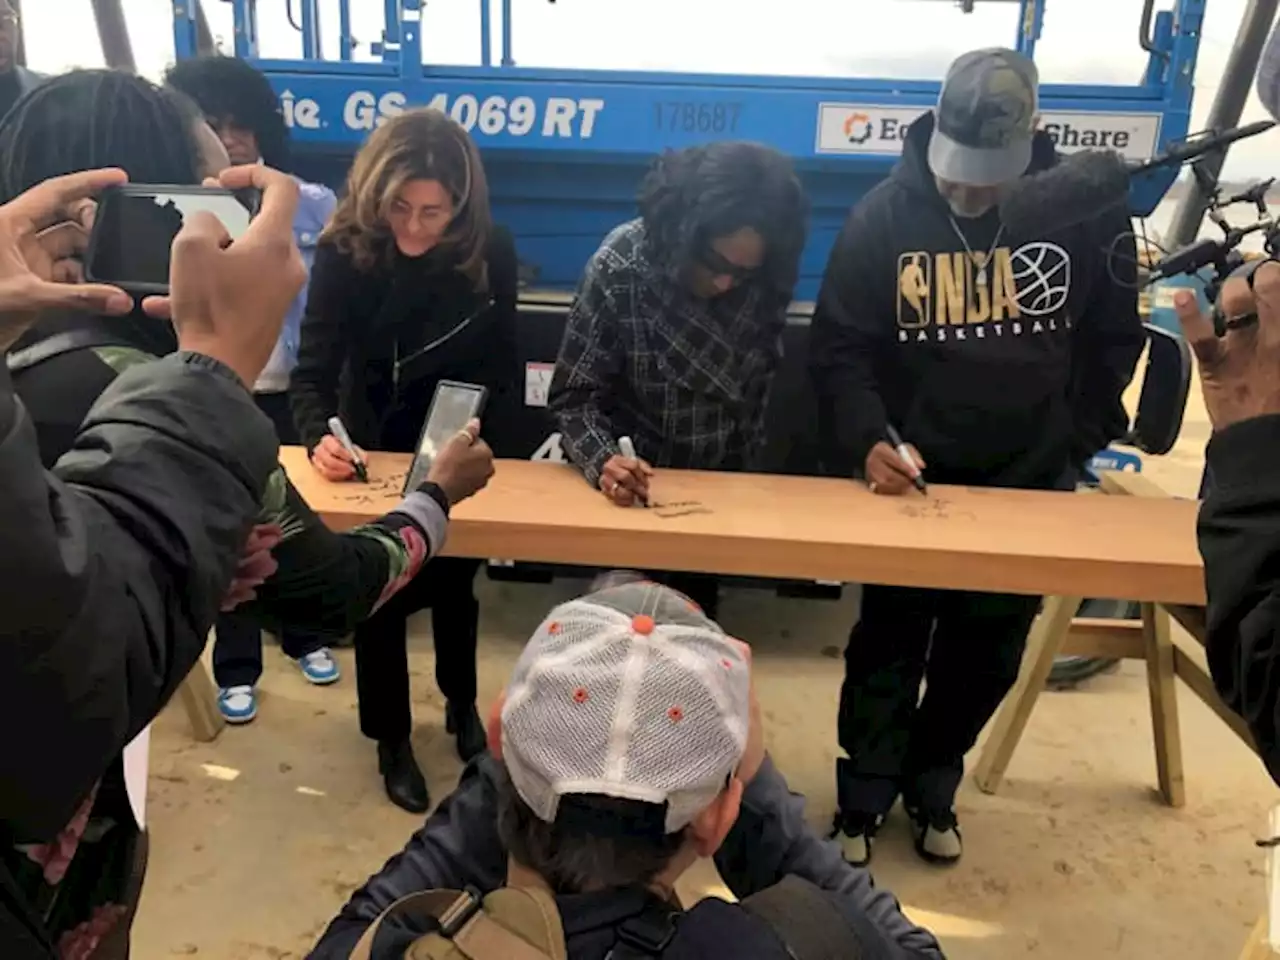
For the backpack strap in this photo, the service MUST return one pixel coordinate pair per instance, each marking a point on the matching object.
(67, 341)
(809, 923)
(464, 919)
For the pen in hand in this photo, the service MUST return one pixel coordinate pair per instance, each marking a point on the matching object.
(339, 430)
(904, 453)
(628, 449)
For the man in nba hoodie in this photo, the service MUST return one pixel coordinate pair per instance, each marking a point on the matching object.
(1001, 360)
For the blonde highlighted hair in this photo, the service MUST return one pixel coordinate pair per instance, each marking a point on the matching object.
(421, 144)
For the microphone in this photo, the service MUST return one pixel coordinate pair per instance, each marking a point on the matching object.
(1078, 189)
(1087, 184)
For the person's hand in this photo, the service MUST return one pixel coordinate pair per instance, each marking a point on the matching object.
(43, 234)
(885, 471)
(256, 564)
(462, 466)
(1240, 372)
(228, 300)
(753, 754)
(625, 479)
(333, 461)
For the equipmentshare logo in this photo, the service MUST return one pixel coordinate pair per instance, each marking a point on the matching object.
(868, 130)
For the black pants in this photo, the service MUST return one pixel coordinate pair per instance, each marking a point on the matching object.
(967, 647)
(237, 645)
(702, 588)
(446, 585)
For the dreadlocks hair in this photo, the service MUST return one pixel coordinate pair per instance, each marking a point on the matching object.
(89, 119)
(422, 144)
(693, 196)
(229, 90)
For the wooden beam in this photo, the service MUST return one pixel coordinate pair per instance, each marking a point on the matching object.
(1129, 484)
(1195, 676)
(1106, 638)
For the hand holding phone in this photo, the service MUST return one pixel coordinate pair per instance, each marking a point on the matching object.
(454, 406)
(464, 465)
(230, 295)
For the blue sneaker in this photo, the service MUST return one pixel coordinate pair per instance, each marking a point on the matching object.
(319, 667)
(238, 704)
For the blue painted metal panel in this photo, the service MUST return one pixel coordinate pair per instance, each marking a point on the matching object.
(565, 149)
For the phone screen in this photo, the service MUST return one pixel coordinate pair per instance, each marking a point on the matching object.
(453, 405)
(135, 226)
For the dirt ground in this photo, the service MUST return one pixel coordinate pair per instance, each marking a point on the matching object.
(258, 838)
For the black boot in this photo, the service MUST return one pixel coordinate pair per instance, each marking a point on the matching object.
(464, 723)
(404, 782)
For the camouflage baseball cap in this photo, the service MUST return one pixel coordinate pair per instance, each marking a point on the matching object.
(985, 119)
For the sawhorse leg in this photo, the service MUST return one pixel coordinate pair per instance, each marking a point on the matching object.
(1043, 643)
(1162, 685)
(199, 699)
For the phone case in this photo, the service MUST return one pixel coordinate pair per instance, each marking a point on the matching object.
(419, 467)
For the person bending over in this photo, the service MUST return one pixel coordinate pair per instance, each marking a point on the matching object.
(676, 331)
(1002, 359)
(412, 284)
(627, 744)
(324, 581)
(243, 110)
(109, 584)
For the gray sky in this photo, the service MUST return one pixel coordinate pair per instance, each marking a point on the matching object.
(868, 38)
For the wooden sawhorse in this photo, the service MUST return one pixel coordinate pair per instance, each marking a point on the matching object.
(1151, 639)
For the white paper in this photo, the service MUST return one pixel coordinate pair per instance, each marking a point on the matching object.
(537, 383)
(137, 757)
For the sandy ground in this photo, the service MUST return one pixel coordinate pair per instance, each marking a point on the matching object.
(259, 837)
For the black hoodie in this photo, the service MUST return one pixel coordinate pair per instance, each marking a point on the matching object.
(1004, 383)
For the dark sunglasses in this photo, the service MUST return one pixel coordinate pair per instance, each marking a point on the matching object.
(722, 267)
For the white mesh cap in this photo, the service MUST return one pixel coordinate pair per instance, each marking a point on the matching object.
(629, 692)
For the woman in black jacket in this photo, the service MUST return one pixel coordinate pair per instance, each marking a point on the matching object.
(412, 284)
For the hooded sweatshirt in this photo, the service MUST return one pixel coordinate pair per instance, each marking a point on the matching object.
(1001, 357)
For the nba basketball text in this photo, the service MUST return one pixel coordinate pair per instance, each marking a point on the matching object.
(959, 295)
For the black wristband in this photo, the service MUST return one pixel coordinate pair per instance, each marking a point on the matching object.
(436, 493)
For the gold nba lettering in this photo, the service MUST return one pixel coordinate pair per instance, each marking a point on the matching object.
(914, 283)
(951, 270)
(1003, 289)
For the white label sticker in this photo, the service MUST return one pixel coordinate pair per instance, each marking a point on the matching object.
(537, 383)
(879, 131)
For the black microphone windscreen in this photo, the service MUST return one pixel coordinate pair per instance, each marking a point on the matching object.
(1077, 189)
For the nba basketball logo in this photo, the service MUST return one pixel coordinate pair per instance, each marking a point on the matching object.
(1042, 277)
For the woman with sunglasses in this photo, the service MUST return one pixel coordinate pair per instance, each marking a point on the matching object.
(412, 284)
(676, 332)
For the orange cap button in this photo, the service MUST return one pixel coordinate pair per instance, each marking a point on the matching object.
(642, 623)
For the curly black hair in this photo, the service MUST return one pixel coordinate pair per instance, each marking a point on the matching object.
(229, 90)
(97, 118)
(690, 197)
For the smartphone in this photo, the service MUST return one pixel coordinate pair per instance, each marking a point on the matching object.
(452, 406)
(135, 224)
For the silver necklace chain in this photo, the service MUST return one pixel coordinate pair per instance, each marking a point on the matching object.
(991, 252)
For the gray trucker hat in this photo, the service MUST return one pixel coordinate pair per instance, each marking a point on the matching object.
(985, 119)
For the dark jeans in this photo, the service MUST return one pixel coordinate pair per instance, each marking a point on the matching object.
(967, 647)
(237, 649)
(237, 645)
(446, 585)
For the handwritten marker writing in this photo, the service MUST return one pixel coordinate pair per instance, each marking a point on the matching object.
(905, 454)
(629, 451)
(337, 428)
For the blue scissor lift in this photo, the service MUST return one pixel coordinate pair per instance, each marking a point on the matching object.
(565, 148)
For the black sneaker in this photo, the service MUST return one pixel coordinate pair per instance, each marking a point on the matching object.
(854, 832)
(937, 835)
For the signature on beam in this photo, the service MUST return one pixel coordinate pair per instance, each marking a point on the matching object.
(935, 508)
(678, 508)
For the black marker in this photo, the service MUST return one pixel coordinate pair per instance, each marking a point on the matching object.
(338, 430)
(895, 439)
